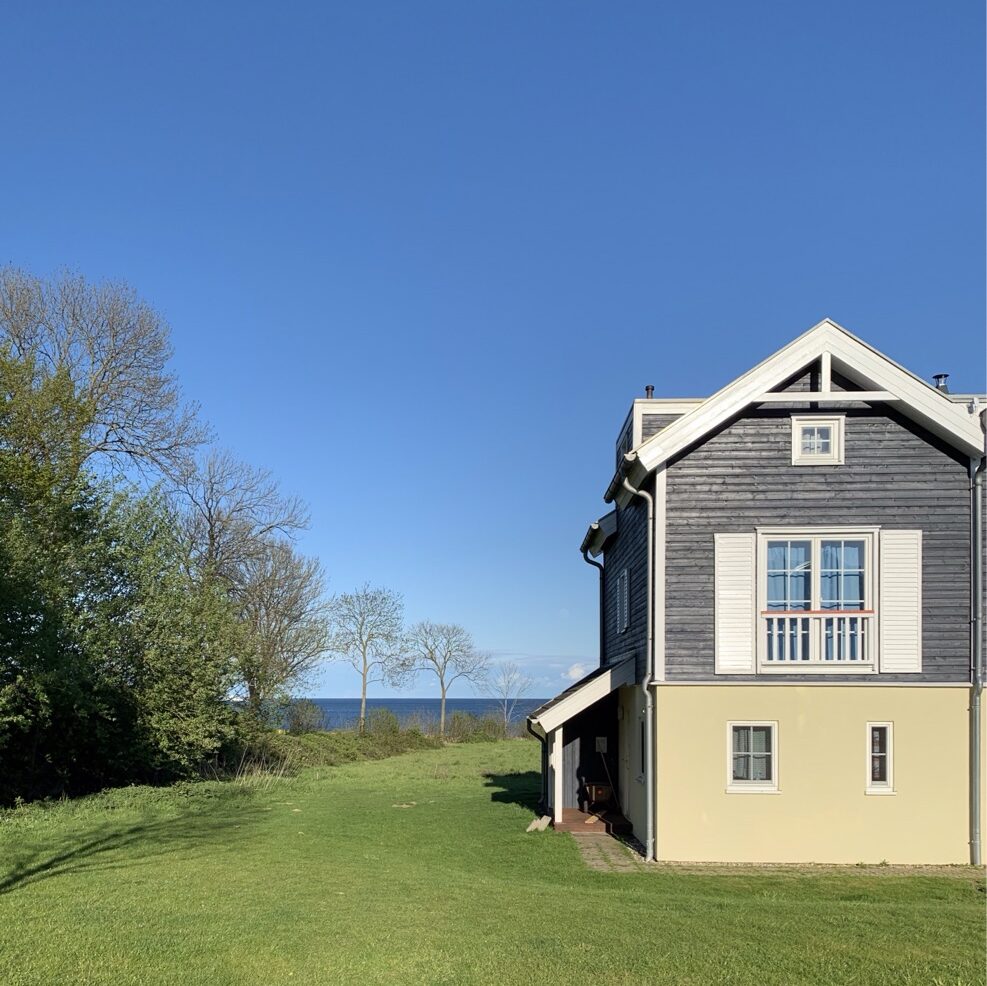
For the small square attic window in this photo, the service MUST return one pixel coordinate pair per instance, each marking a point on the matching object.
(817, 441)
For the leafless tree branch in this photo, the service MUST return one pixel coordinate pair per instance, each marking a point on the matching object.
(447, 651)
(367, 632)
(507, 684)
(115, 349)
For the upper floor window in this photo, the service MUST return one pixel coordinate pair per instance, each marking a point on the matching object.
(817, 441)
(817, 599)
(807, 600)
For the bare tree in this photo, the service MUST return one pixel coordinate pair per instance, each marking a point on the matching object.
(507, 685)
(285, 619)
(232, 511)
(115, 349)
(367, 628)
(448, 651)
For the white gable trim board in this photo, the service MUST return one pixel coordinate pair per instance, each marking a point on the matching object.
(583, 696)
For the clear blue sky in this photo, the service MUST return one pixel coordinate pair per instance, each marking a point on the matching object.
(419, 257)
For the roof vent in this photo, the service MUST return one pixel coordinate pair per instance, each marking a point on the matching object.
(649, 391)
(940, 380)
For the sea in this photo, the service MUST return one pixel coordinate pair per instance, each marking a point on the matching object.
(344, 713)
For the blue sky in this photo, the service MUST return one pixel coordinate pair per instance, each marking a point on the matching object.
(419, 258)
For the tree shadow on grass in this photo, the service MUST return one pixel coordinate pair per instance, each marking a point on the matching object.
(108, 845)
(522, 788)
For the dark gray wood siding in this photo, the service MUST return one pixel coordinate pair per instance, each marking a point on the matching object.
(895, 476)
(811, 379)
(651, 424)
(627, 549)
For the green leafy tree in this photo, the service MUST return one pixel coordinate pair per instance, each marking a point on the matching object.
(114, 661)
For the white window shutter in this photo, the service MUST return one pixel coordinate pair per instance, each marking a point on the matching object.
(900, 608)
(734, 603)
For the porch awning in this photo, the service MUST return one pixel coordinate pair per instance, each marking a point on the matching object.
(596, 685)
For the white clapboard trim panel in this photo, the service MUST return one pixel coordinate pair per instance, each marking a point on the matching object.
(734, 593)
(900, 611)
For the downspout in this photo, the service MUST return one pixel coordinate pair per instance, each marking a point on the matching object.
(649, 738)
(976, 651)
(596, 564)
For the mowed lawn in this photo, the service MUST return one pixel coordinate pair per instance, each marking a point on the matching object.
(418, 869)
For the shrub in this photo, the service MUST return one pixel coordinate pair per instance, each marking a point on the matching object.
(304, 716)
(383, 722)
(464, 727)
(328, 749)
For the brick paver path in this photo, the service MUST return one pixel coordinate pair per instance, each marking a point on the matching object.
(603, 853)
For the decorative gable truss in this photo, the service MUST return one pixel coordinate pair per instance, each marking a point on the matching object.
(835, 350)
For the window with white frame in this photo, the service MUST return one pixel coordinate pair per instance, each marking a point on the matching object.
(880, 767)
(752, 757)
(817, 441)
(623, 600)
(816, 600)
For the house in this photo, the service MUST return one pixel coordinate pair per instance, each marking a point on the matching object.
(791, 593)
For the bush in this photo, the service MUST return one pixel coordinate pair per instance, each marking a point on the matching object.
(328, 749)
(304, 716)
(464, 727)
(383, 722)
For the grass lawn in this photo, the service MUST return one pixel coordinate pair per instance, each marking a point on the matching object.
(324, 878)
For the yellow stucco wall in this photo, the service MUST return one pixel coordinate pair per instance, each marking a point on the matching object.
(821, 812)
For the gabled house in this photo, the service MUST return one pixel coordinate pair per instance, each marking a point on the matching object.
(791, 592)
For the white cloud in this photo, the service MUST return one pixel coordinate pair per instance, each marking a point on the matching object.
(575, 672)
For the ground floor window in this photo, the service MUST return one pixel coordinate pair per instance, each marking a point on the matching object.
(752, 757)
(879, 758)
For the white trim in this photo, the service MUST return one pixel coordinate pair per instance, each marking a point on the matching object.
(657, 405)
(599, 532)
(584, 696)
(555, 766)
(760, 683)
(825, 397)
(851, 357)
(754, 787)
(658, 576)
(816, 530)
(826, 370)
(870, 787)
(837, 425)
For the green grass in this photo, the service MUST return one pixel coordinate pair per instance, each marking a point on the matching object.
(321, 879)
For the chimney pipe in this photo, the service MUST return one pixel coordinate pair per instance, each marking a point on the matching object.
(940, 380)
(649, 391)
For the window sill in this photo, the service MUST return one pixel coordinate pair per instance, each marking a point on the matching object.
(752, 789)
(815, 667)
(880, 791)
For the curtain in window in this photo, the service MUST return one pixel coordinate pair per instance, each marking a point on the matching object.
(752, 753)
